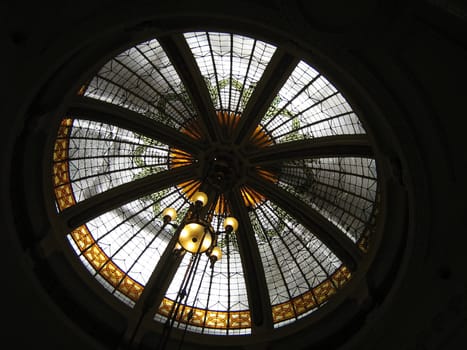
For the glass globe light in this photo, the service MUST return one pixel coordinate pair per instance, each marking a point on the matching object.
(169, 213)
(216, 253)
(230, 222)
(200, 197)
(194, 239)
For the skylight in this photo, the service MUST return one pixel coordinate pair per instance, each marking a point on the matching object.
(296, 153)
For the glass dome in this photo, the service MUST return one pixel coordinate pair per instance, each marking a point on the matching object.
(281, 145)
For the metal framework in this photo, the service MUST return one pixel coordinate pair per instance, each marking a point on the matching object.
(216, 109)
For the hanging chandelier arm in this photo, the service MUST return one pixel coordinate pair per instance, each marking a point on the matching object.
(153, 293)
(100, 111)
(329, 146)
(274, 77)
(334, 238)
(181, 56)
(101, 203)
(257, 289)
(158, 283)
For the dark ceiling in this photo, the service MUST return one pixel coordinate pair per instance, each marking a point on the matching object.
(402, 63)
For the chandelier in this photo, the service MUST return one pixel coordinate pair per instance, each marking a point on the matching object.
(196, 236)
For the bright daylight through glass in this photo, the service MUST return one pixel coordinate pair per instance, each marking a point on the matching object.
(279, 143)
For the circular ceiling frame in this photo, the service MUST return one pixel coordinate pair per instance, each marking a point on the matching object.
(55, 261)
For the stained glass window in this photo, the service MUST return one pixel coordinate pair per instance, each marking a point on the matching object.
(304, 173)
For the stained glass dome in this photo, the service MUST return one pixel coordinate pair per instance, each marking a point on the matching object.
(269, 132)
